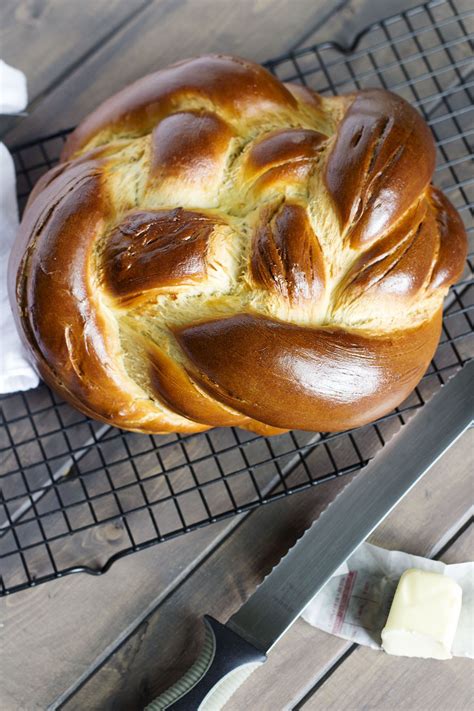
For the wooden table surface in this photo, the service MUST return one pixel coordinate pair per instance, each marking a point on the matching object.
(115, 642)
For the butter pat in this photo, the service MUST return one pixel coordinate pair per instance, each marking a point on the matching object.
(424, 616)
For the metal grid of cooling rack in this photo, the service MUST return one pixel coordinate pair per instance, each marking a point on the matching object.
(77, 494)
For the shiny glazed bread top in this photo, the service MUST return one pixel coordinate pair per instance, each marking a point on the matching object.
(218, 248)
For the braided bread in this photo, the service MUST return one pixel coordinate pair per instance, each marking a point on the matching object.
(218, 248)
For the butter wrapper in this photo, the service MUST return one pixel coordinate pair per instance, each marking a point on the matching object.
(354, 604)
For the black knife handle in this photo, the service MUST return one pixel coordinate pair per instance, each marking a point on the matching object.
(225, 662)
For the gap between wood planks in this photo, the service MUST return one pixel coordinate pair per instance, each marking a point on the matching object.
(353, 647)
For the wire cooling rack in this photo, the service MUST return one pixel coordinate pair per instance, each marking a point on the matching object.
(77, 494)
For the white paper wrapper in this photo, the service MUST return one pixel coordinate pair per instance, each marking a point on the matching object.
(355, 603)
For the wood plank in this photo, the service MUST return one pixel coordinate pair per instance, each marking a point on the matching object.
(165, 32)
(161, 649)
(47, 38)
(373, 680)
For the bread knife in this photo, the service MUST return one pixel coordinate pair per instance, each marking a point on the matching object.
(231, 652)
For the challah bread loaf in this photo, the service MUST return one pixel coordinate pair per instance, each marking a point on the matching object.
(217, 248)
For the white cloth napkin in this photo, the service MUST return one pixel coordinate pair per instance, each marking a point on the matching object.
(15, 371)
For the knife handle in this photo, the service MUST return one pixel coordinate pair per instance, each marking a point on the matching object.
(224, 663)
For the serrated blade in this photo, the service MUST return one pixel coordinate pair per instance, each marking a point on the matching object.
(355, 513)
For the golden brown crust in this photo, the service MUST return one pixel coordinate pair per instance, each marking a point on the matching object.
(174, 386)
(237, 87)
(399, 264)
(279, 147)
(74, 344)
(156, 250)
(190, 150)
(382, 161)
(452, 242)
(286, 256)
(220, 249)
(311, 379)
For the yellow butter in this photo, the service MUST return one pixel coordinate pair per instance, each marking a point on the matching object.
(424, 616)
